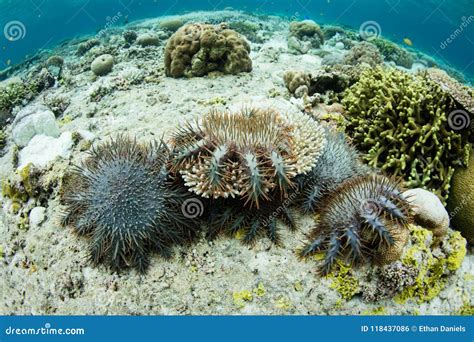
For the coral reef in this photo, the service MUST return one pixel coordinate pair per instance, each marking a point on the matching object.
(171, 25)
(198, 49)
(121, 197)
(363, 53)
(338, 163)
(461, 200)
(130, 36)
(330, 31)
(360, 217)
(295, 79)
(304, 35)
(399, 122)
(393, 52)
(148, 39)
(18, 92)
(246, 154)
(83, 47)
(102, 65)
(248, 29)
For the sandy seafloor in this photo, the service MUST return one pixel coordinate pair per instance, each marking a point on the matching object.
(45, 269)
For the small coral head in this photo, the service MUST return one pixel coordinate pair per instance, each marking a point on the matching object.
(246, 154)
(360, 218)
(121, 198)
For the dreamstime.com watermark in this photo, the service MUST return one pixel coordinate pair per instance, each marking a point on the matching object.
(464, 201)
(192, 208)
(14, 30)
(370, 30)
(459, 119)
(466, 21)
(46, 330)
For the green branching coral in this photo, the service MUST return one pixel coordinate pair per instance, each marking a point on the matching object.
(433, 266)
(399, 121)
(199, 49)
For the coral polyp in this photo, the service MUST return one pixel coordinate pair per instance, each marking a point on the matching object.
(363, 216)
(122, 198)
(247, 154)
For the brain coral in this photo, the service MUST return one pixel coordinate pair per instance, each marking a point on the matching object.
(246, 154)
(122, 199)
(461, 200)
(198, 49)
(400, 123)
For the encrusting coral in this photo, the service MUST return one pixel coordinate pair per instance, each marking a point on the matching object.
(199, 49)
(246, 154)
(122, 198)
(361, 217)
(399, 122)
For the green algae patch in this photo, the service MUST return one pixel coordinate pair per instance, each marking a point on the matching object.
(343, 281)
(260, 290)
(433, 268)
(455, 259)
(241, 297)
(283, 303)
(379, 311)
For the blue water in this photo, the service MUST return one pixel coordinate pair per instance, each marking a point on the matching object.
(427, 23)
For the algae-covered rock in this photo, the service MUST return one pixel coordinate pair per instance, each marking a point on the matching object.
(461, 200)
(102, 65)
(399, 121)
(434, 264)
(199, 49)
